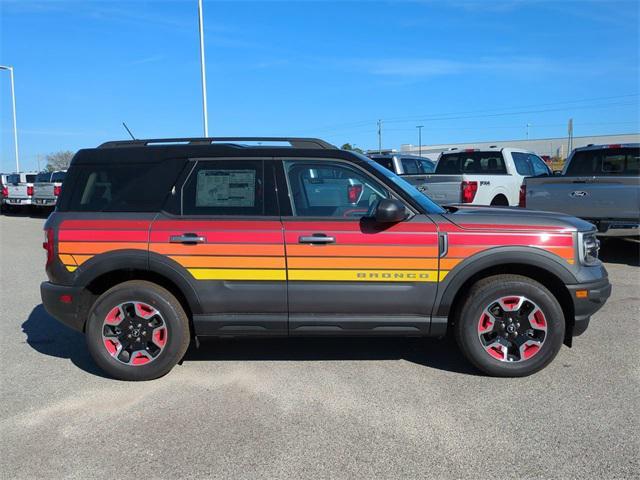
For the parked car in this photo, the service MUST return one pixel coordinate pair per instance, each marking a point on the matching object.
(47, 188)
(599, 183)
(4, 190)
(404, 164)
(155, 242)
(19, 189)
(482, 177)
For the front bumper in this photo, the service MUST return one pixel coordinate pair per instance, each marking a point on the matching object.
(588, 298)
(73, 310)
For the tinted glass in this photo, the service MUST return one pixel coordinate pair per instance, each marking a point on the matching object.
(490, 163)
(426, 166)
(331, 190)
(523, 165)
(539, 167)
(43, 177)
(14, 178)
(31, 178)
(410, 166)
(120, 187)
(614, 161)
(229, 187)
(58, 176)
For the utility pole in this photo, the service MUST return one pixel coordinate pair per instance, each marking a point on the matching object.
(379, 136)
(528, 125)
(570, 134)
(203, 71)
(13, 102)
(419, 127)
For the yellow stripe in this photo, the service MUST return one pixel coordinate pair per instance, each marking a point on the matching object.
(237, 274)
(71, 268)
(365, 275)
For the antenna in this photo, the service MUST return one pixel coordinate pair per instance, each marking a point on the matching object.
(128, 131)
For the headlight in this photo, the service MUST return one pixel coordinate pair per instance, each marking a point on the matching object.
(588, 247)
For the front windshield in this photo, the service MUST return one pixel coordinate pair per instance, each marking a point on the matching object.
(425, 202)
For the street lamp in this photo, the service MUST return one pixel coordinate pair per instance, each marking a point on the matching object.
(419, 127)
(203, 71)
(13, 101)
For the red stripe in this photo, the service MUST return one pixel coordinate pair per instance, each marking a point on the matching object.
(496, 228)
(368, 238)
(540, 240)
(208, 225)
(103, 235)
(105, 224)
(163, 236)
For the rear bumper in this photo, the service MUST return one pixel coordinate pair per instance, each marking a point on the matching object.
(44, 202)
(588, 303)
(72, 311)
(17, 201)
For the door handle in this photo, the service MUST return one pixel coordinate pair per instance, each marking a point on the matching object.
(187, 238)
(317, 239)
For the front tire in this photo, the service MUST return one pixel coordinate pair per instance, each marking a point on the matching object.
(510, 326)
(136, 331)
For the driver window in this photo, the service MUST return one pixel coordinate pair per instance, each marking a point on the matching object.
(331, 189)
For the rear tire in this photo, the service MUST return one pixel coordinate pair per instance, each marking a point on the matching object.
(500, 201)
(486, 331)
(141, 311)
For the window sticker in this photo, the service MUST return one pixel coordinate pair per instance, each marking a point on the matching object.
(226, 188)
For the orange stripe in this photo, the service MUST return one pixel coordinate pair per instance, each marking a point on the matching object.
(360, 251)
(565, 252)
(98, 247)
(67, 259)
(198, 261)
(363, 262)
(449, 263)
(464, 252)
(80, 259)
(217, 249)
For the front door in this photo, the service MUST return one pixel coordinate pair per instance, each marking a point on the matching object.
(346, 273)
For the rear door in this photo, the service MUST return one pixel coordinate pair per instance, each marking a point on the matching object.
(347, 274)
(225, 238)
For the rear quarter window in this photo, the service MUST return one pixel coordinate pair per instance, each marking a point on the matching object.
(43, 177)
(614, 161)
(120, 187)
(490, 163)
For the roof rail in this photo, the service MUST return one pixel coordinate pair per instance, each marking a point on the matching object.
(295, 142)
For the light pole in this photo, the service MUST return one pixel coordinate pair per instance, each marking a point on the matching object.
(528, 126)
(15, 127)
(203, 71)
(419, 127)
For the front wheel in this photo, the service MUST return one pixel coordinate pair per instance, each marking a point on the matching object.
(137, 330)
(510, 326)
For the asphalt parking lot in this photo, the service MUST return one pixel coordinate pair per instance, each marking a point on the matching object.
(356, 408)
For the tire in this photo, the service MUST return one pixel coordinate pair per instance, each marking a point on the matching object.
(154, 318)
(486, 332)
(500, 201)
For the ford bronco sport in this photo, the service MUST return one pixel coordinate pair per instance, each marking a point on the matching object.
(157, 242)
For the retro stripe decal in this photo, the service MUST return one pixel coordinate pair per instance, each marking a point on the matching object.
(365, 275)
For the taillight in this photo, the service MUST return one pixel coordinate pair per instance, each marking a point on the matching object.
(48, 244)
(522, 201)
(56, 190)
(30, 191)
(353, 193)
(5, 191)
(468, 191)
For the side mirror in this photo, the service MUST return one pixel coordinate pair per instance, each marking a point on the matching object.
(390, 210)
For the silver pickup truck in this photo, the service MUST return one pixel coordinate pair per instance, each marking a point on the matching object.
(599, 183)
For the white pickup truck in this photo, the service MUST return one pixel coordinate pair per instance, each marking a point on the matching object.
(19, 189)
(482, 177)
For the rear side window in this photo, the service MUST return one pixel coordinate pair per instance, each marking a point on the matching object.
(120, 187)
(58, 176)
(523, 165)
(615, 161)
(426, 166)
(385, 162)
(410, 166)
(229, 187)
(490, 163)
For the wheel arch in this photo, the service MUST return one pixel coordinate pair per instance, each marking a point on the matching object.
(537, 265)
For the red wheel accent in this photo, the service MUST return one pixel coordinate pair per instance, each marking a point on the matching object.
(160, 336)
(112, 346)
(140, 359)
(538, 320)
(530, 350)
(145, 311)
(496, 352)
(114, 317)
(486, 323)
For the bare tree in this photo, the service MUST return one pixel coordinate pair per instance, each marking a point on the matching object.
(59, 160)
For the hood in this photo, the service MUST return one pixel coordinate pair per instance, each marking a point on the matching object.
(513, 218)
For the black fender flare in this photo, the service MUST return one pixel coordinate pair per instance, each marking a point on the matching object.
(511, 255)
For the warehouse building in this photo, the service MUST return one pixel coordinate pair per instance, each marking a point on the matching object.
(552, 147)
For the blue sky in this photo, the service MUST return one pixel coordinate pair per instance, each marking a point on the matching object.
(466, 70)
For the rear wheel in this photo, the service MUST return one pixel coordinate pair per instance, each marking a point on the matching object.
(510, 326)
(137, 330)
(500, 201)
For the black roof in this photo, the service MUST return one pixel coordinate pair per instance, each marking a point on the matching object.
(156, 150)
